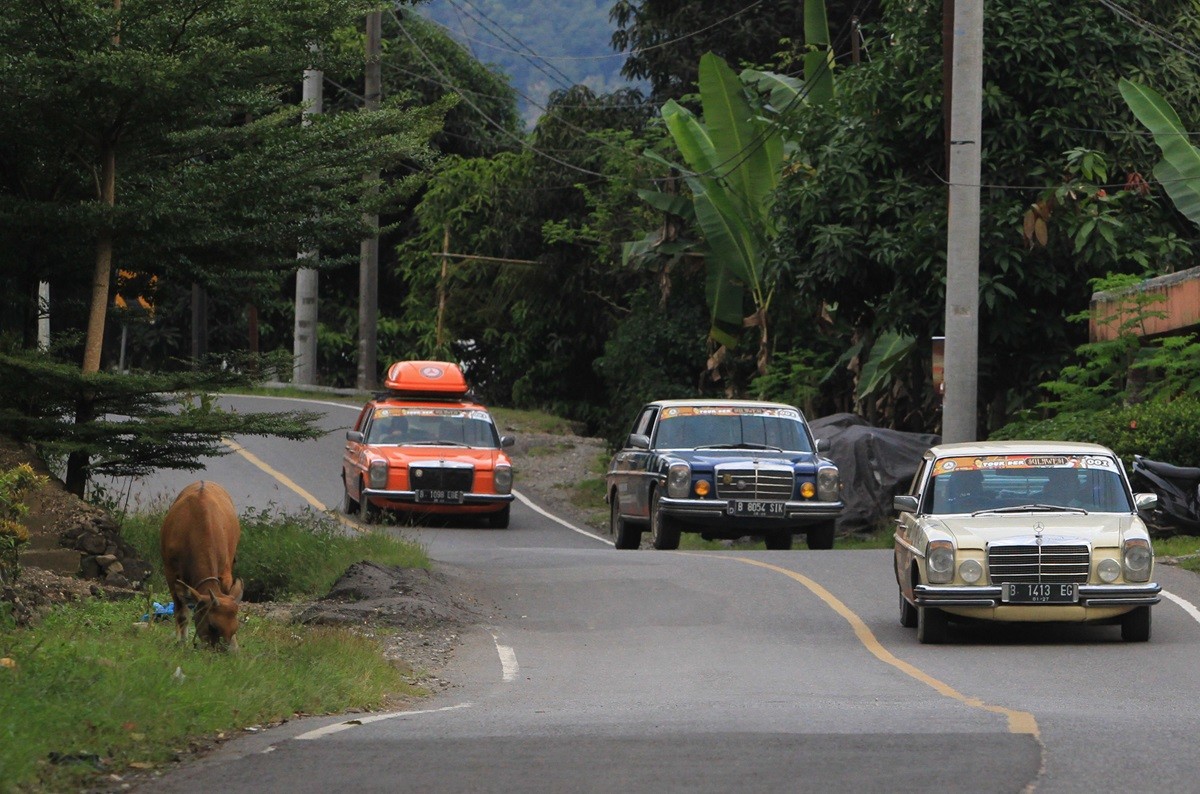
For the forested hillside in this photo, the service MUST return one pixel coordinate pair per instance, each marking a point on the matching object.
(541, 46)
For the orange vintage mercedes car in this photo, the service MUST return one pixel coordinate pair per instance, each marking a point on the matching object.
(425, 446)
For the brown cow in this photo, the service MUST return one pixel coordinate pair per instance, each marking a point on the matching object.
(199, 539)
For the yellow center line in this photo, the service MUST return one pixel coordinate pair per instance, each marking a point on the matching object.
(289, 483)
(1021, 722)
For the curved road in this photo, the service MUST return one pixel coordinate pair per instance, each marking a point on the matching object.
(719, 671)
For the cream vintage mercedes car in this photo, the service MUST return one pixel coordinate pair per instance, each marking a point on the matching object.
(1023, 531)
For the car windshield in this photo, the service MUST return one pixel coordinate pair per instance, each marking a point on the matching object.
(732, 428)
(433, 427)
(1012, 483)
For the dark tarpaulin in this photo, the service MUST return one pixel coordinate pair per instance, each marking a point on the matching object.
(875, 464)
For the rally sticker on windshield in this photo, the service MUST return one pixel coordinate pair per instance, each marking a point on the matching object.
(394, 411)
(728, 410)
(992, 462)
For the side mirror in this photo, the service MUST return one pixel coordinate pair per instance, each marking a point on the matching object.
(823, 445)
(507, 441)
(355, 436)
(904, 504)
(638, 441)
(1145, 501)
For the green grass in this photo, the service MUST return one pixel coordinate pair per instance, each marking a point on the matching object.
(284, 556)
(88, 684)
(514, 420)
(1184, 547)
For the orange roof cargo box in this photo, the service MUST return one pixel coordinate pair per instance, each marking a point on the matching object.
(426, 377)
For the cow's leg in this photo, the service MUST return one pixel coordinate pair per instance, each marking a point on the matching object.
(181, 618)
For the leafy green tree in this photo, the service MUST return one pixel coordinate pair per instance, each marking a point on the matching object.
(1179, 170)
(863, 211)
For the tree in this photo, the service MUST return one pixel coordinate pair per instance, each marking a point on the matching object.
(1179, 170)
(864, 220)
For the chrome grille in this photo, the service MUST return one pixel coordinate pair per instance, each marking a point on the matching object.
(754, 482)
(441, 478)
(1033, 563)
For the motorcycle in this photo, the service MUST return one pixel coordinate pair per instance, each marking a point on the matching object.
(1178, 491)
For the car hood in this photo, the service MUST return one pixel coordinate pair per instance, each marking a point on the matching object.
(404, 456)
(712, 457)
(1098, 529)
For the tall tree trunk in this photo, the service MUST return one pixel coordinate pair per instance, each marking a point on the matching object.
(102, 274)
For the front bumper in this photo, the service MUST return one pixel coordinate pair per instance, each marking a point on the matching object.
(410, 497)
(718, 509)
(1090, 595)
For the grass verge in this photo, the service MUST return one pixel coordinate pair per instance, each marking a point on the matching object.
(92, 691)
(90, 694)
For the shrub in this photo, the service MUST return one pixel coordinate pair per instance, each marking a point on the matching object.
(14, 484)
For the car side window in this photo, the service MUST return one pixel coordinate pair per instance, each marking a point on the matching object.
(645, 422)
(363, 418)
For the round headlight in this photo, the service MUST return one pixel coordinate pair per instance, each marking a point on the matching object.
(1138, 560)
(503, 479)
(970, 571)
(1108, 570)
(679, 480)
(378, 473)
(939, 561)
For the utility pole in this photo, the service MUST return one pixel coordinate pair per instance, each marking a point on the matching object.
(304, 340)
(959, 420)
(368, 262)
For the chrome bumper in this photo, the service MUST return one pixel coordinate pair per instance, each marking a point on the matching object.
(719, 508)
(1090, 595)
(411, 496)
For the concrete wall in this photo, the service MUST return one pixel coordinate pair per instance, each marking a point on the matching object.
(1181, 307)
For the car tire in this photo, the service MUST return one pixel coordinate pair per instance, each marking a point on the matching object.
(624, 535)
(349, 504)
(778, 541)
(932, 626)
(664, 530)
(908, 613)
(370, 512)
(499, 519)
(1135, 625)
(820, 536)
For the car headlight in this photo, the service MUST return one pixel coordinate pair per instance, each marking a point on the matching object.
(679, 480)
(1138, 559)
(377, 474)
(829, 484)
(939, 561)
(970, 571)
(503, 479)
(1108, 570)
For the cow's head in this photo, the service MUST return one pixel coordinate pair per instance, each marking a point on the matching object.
(216, 616)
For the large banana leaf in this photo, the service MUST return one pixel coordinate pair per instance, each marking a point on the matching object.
(818, 61)
(748, 152)
(691, 137)
(1179, 171)
(887, 355)
(782, 91)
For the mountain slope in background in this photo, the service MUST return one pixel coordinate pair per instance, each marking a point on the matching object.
(542, 45)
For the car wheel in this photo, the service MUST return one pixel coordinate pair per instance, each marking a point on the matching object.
(908, 613)
(932, 626)
(778, 541)
(820, 536)
(624, 536)
(499, 519)
(349, 504)
(1135, 625)
(370, 512)
(663, 529)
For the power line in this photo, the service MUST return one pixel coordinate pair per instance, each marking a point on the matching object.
(566, 81)
(1162, 34)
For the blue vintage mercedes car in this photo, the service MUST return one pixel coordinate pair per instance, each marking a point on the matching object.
(724, 469)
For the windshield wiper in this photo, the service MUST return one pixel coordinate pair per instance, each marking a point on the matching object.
(715, 446)
(748, 445)
(1035, 508)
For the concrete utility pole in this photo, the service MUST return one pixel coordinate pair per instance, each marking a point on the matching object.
(962, 240)
(304, 344)
(368, 263)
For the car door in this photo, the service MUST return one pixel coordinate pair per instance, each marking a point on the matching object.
(906, 526)
(353, 467)
(629, 468)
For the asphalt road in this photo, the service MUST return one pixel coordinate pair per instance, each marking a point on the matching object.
(711, 672)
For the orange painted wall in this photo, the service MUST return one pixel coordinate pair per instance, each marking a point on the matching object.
(1181, 306)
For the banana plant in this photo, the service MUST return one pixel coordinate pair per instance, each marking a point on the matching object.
(1179, 170)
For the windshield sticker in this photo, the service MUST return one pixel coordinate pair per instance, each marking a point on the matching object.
(393, 411)
(947, 465)
(729, 410)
